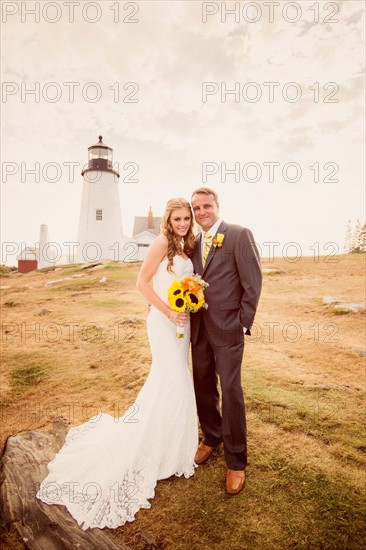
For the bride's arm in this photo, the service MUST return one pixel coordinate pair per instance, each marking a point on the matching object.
(157, 251)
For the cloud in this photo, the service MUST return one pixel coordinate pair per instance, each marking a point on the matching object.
(171, 131)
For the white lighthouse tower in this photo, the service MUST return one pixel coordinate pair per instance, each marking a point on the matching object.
(100, 232)
(45, 255)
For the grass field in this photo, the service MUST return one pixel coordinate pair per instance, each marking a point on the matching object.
(79, 347)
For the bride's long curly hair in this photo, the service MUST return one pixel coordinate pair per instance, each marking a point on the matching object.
(177, 245)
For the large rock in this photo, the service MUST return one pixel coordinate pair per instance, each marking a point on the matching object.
(42, 527)
(349, 308)
(340, 306)
(328, 300)
(270, 271)
(56, 281)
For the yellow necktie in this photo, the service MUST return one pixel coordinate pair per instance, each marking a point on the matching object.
(206, 248)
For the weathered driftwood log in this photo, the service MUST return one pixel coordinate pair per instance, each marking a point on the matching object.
(42, 527)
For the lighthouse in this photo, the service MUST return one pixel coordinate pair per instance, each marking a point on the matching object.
(45, 255)
(100, 233)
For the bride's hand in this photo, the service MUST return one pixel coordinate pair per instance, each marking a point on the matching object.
(178, 317)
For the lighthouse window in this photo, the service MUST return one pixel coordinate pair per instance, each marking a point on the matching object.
(99, 214)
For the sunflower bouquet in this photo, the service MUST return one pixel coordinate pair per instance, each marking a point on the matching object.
(187, 295)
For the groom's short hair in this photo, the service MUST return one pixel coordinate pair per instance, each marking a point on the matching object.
(206, 191)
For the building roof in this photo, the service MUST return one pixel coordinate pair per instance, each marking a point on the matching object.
(100, 144)
(141, 224)
(145, 237)
(28, 253)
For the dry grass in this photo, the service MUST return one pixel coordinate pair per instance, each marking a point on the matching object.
(303, 376)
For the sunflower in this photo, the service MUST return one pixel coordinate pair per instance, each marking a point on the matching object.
(178, 303)
(195, 300)
(174, 292)
(175, 288)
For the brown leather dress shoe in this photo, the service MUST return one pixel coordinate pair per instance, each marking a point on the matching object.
(203, 453)
(235, 480)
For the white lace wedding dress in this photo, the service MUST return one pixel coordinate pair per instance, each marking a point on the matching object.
(108, 467)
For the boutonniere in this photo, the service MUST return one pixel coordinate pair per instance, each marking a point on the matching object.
(218, 239)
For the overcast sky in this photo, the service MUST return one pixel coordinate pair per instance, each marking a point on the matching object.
(162, 71)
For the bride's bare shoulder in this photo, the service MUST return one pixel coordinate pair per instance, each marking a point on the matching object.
(162, 240)
(158, 248)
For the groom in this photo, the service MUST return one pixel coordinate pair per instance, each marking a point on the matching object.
(226, 257)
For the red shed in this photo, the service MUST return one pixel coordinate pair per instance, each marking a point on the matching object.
(27, 260)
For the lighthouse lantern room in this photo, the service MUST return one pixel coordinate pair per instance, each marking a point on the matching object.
(100, 157)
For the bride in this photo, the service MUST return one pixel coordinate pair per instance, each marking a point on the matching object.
(108, 468)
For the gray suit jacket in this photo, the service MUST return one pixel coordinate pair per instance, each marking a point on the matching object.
(235, 281)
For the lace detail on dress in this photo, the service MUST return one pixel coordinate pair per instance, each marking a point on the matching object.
(108, 468)
(104, 510)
